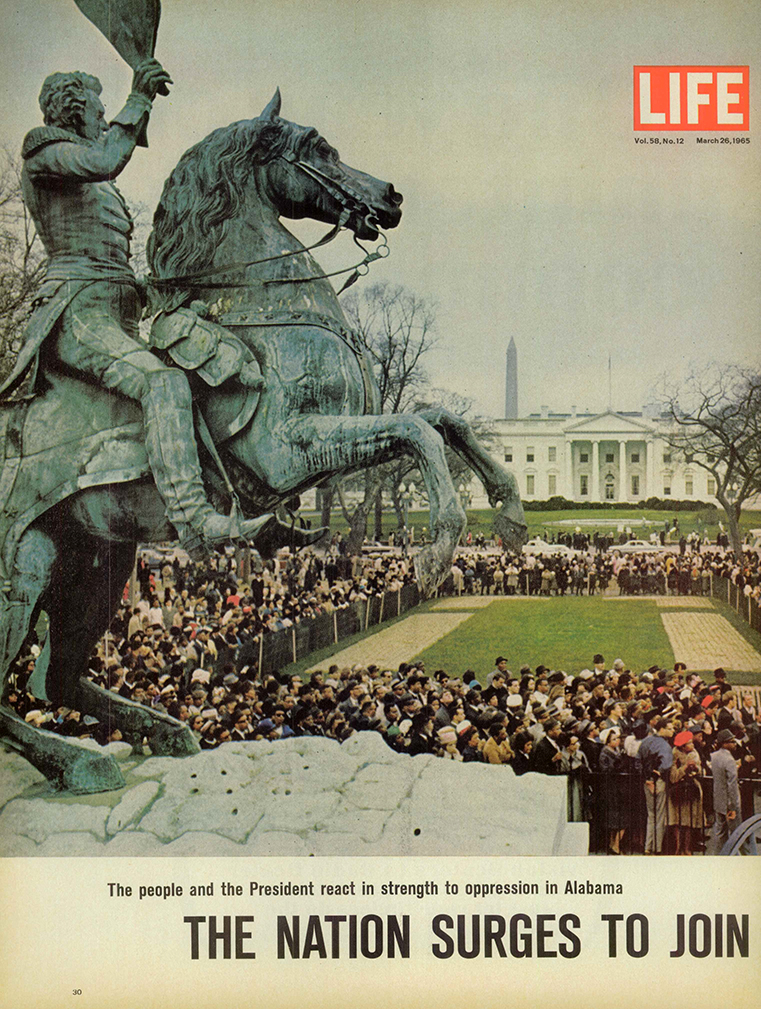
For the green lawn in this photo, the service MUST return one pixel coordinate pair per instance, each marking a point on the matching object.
(561, 633)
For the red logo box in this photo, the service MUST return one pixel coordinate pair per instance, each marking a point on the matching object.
(692, 98)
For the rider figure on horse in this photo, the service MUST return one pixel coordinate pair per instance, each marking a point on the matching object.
(89, 305)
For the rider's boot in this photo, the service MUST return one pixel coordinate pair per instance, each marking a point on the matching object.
(173, 455)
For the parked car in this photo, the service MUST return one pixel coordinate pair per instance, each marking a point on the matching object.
(541, 548)
(636, 547)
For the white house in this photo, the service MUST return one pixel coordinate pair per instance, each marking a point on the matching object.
(610, 456)
(607, 456)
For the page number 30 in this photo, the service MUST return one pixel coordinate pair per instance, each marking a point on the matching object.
(76, 991)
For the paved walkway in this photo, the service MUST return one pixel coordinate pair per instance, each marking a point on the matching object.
(683, 603)
(708, 640)
(398, 643)
(479, 602)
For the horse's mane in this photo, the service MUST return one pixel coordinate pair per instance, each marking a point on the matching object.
(205, 191)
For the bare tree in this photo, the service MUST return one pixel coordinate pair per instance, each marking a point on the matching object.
(397, 329)
(716, 424)
(21, 261)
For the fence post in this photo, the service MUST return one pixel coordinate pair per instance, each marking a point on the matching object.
(383, 599)
(293, 642)
(399, 602)
(335, 627)
(261, 655)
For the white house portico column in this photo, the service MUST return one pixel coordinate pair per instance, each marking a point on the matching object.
(624, 491)
(595, 471)
(650, 449)
(570, 490)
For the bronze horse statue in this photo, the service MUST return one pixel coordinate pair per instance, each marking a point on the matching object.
(286, 398)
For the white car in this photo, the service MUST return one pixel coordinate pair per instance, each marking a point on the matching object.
(541, 548)
(636, 547)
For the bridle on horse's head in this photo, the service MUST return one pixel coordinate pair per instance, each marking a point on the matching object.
(351, 202)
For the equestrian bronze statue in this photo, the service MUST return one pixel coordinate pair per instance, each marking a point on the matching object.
(252, 389)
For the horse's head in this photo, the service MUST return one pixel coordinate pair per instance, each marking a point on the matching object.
(294, 172)
(304, 177)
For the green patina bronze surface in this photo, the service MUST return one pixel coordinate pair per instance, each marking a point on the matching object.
(98, 444)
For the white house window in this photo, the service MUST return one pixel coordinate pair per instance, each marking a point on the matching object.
(688, 486)
(667, 490)
(635, 485)
(608, 457)
(509, 453)
(583, 456)
(552, 454)
(552, 484)
(667, 457)
(711, 485)
(584, 485)
(635, 456)
(610, 490)
(530, 453)
(530, 484)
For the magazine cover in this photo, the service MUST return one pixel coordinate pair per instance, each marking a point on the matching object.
(564, 198)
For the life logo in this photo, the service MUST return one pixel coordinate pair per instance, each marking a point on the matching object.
(692, 98)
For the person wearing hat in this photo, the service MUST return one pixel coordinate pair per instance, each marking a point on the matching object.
(469, 741)
(720, 679)
(447, 743)
(516, 716)
(726, 790)
(500, 666)
(613, 711)
(685, 793)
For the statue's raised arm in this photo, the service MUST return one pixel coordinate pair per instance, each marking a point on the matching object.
(89, 304)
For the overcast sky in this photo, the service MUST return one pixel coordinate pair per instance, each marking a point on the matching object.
(529, 210)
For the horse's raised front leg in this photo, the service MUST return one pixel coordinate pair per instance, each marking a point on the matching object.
(309, 447)
(501, 486)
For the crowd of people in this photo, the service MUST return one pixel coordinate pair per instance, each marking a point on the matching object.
(596, 571)
(189, 648)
